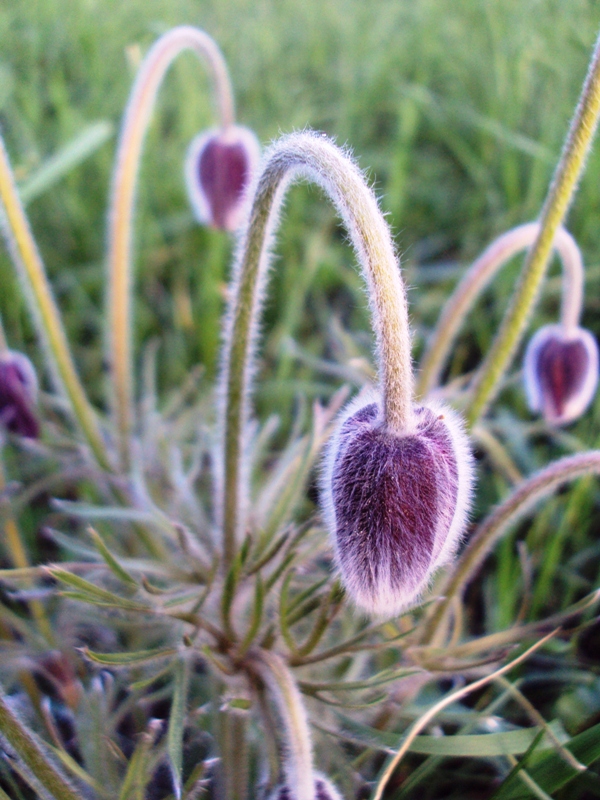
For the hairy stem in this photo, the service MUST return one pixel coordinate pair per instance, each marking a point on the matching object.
(306, 155)
(519, 503)
(560, 194)
(121, 210)
(43, 308)
(296, 745)
(233, 777)
(478, 277)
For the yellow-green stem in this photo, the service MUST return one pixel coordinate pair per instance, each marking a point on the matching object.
(475, 280)
(568, 171)
(39, 295)
(233, 745)
(121, 211)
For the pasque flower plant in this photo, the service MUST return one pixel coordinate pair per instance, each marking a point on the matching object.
(208, 612)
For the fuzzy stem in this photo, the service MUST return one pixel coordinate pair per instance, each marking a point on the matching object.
(44, 310)
(28, 749)
(121, 210)
(523, 498)
(297, 744)
(308, 155)
(560, 194)
(573, 281)
(233, 778)
(480, 275)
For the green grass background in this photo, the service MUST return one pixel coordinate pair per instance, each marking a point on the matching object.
(457, 111)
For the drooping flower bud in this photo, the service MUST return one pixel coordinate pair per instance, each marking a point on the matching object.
(218, 169)
(18, 395)
(324, 790)
(561, 372)
(396, 504)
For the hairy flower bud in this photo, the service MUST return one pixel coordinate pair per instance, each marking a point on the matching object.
(561, 373)
(396, 505)
(18, 395)
(324, 790)
(218, 169)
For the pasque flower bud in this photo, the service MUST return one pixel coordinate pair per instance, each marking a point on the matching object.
(18, 395)
(218, 169)
(561, 372)
(396, 503)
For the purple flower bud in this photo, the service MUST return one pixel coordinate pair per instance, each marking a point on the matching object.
(561, 373)
(218, 169)
(396, 505)
(324, 790)
(18, 395)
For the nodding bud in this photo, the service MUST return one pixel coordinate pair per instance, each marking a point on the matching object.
(561, 372)
(218, 169)
(18, 395)
(396, 504)
(324, 790)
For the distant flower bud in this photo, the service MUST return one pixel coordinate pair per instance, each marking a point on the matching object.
(324, 790)
(561, 373)
(218, 169)
(18, 395)
(395, 504)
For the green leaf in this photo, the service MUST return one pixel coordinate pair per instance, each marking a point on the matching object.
(90, 593)
(551, 772)
(88, 511)
(131, 659)
(177, 723)
(257, 615)
(137, 775)
(480, 745)
(67, 158)
(112, 563)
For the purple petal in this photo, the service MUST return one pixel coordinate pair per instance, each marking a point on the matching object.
(561, 373)
(218, 170)
(17, 413)
(397, 504)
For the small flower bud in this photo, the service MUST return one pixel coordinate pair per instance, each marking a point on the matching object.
(324, 790)
(218, 169)
(395, 504)
(561, 373)
(18, 395)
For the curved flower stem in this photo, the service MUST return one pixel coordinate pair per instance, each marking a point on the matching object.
(523, 498)
(120, 220)
(308, 155)
(560, 194)
(43, 308)
(573, 281)
(479, 275)
(296, 745)
(233, 745)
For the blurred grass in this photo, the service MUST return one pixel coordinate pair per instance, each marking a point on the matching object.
(457, 110)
